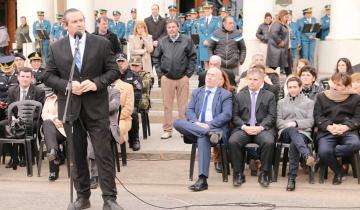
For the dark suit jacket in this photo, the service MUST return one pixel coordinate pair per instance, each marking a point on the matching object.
(265, 109)
(158, 29)
(221, 108)
(98, 65)
(34, 93)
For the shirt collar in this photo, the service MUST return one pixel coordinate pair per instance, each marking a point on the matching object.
(22, 89)
(82, 40)
(212, 90)
(176, 38)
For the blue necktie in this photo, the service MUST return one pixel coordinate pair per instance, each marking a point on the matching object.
(203, 110)
(78, 59)
(252, 120)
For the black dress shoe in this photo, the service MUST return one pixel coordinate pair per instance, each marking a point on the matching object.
(94, 182)
(136, 145)
(111, 205)
(200, 185)
(22, 162)
(337, 179)
(53, 176)
(264, 180)
(291, 184)
(238, 179)
(80, 203)
(218, 167)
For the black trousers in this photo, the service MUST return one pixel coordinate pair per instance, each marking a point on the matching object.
(134, 131)
(100, 135)
(52, 136)
(238, 141)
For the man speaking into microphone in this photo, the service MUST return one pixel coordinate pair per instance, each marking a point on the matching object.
(95, 69)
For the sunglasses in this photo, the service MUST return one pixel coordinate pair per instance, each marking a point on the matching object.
(120, 61)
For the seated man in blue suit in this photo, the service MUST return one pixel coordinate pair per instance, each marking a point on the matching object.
(209, 113)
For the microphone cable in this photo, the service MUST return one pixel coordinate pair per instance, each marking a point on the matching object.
(267, 206)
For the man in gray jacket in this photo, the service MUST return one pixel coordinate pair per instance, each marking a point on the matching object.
(229, 44)
(174, 61)
(295, 121)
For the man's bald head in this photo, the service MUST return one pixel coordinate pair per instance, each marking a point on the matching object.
(213, 76)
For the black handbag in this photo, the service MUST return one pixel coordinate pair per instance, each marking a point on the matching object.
(16, 129)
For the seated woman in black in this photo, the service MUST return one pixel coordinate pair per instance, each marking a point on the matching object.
(337, 116)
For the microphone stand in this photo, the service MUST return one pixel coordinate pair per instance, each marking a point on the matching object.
(67, 119)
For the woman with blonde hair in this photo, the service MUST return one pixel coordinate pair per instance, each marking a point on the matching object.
(141, 45)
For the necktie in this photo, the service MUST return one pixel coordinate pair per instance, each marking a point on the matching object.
(252, 120)
(23, 95)
(203, 110)
(78, 59)
(207, 22)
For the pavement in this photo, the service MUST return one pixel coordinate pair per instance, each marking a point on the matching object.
(158, 174)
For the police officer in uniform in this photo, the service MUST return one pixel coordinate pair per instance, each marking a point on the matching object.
(325, 23)
(36, 65)
(295, 41)
(182, 23)
(129, 76)
(58, 31)
(173, 13)
(131, 23)
(117, 27)
(308, 40)
(96, 13)
(223, 12)
(144, 105)
(8, 78)
(43, 25)
(207, 25)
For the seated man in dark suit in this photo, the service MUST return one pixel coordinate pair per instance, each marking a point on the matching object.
(209, 112)
(254, 119)
(24, 91)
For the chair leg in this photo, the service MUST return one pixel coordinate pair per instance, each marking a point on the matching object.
(143, 124)
(40, 157)
(224, 161)
(116, 151)
(356, 167)
(284, 162)
(322, 174)
(123, 154)
(148, 122)
(29, 158)
(277, 161)
(192, 161)
(311, 171)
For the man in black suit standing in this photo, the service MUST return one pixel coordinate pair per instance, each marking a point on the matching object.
(254, 119)
(156, 24)
(95, 69)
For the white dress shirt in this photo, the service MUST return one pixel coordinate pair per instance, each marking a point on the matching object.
(81, 45)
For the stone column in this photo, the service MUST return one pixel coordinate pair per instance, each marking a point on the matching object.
(344, 37)
(254, 11)
(87, 8)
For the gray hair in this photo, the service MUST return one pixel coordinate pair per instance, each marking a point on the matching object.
(71, 10)
(215, 58)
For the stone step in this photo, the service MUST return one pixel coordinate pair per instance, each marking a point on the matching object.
(158, 116)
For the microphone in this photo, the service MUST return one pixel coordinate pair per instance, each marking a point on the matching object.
(77, 36)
